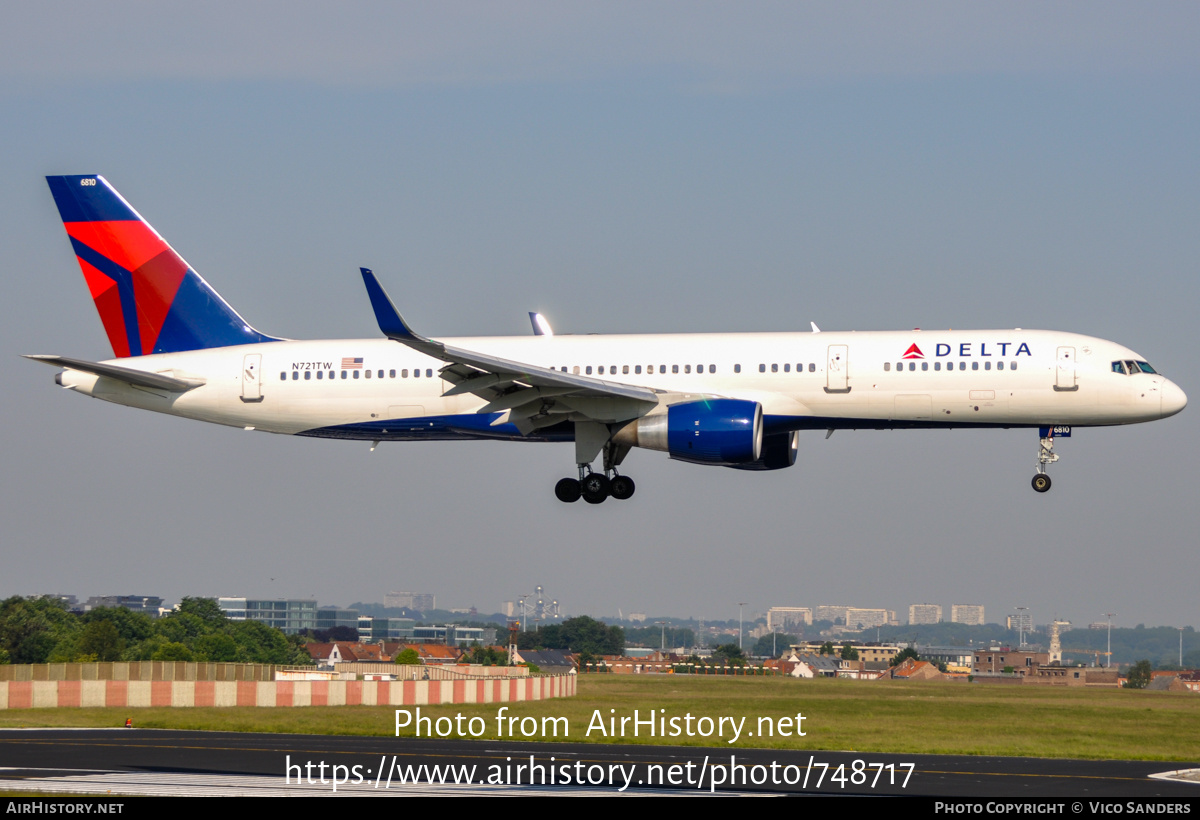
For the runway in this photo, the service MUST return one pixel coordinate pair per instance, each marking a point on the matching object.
(149, 761)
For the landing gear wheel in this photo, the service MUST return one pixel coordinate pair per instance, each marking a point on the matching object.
(567, 490)
(1041, 482)
(621, 487)
(595, 488)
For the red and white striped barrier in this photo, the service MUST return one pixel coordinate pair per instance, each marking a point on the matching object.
(133, 694)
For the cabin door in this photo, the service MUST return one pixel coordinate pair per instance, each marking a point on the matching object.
(837, 369)
(1065, 379)
(252, 377)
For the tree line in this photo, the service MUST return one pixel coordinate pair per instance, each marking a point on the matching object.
(43, 630)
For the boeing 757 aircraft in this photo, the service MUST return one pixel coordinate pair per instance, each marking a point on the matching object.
(720, 399)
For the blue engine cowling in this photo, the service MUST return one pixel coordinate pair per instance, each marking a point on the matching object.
(721, 432)
(778, 452)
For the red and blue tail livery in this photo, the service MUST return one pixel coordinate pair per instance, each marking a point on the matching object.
(148, 298)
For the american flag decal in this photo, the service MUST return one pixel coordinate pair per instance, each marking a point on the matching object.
(351, 363)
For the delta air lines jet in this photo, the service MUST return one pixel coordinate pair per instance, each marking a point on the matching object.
(728, 400)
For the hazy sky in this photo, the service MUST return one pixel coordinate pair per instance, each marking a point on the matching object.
(623, 167)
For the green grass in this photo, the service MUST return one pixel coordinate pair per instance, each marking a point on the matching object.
(901, 717)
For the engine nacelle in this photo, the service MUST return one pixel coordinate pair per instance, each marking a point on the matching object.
(778, 451)
(721, 432)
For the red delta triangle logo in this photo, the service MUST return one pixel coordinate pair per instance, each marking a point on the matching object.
(913, 352)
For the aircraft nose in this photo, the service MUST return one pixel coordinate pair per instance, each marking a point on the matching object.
(1173, 399)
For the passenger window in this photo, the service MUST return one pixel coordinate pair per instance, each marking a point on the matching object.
(356, 374)
(1012, 365)
(380, 374)
(429, 372)
(712, 368)
(637, 369)
(999, 365)
(588, 370)
(924, 365)
(987, 365)
(307, 375)
(624, 369)
(662, 368)
(283, 376)
(295, 375)
(404, 373)
(787, 368)
(812, 367)
(974, 365)
(612, 370)
(575, 370)
(937, 366)
(320, 375)
(737, 368)
(367, 373)
(391, 374)
(674, 368)
(687, 368)
(762, 368)
(962, 365)
(887, 367)
(600, 370)
(343, 374)
(774, 368)
(912, 366)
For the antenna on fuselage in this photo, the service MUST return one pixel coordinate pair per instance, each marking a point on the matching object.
(814, 327)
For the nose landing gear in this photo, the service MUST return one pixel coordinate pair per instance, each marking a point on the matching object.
(1046, 455)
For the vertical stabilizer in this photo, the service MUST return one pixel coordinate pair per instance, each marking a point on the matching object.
(148, 298)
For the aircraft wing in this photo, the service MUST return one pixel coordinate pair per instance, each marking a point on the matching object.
(526, 395)
(138, 378)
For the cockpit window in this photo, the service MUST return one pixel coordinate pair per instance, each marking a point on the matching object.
(1131, 367)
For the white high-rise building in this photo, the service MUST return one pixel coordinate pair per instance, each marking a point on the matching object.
(967, 614)
(925, 614)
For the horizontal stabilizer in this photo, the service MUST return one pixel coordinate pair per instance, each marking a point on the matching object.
(140, 378)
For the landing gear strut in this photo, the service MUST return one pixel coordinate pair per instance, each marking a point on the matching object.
(1046, 455)
(595, 487)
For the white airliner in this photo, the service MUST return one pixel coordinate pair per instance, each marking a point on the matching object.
(724, 399)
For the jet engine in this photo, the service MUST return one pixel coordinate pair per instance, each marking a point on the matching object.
(721, 432)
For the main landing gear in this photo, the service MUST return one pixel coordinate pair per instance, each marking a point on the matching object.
(1046, 455)
(594, 487)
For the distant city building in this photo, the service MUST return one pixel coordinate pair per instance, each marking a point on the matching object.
(825, 612)
(925, 614)
(967, 614)
(149, 604)
(956, 658)
(865, 618)
(1098, 625)
(374, 629)
(784, 618)
(1021, 622)
(420, 601)
(637, 617)
(291, 615)
(995, 661)
(330, 617)
(455, 635)
(509, 609)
